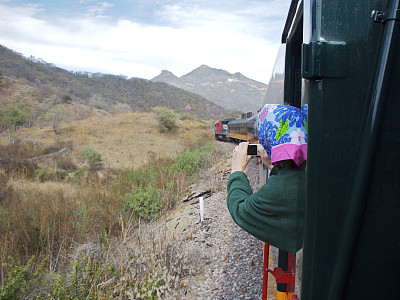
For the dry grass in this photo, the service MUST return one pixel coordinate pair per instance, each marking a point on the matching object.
(51, 217)
(125, 141)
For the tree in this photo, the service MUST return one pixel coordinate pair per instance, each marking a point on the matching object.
(166, 117)
(13, 116)
(56, 115)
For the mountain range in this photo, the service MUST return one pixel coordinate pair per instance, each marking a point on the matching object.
(231, 91)
(203, 93)
(39, 86)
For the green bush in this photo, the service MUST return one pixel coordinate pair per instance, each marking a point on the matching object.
(191, 161)
(146, 201)
(150, 286)
(146, 196)
(167, 118)
(92, 157)
(154, 187)
(33, 281)
(43, 174)
(22, 279)
(12, 116)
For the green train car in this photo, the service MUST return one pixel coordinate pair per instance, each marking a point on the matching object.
(342, 58)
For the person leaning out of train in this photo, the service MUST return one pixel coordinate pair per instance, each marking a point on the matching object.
(275, 213)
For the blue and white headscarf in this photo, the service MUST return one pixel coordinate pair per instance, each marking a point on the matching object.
(282, 130)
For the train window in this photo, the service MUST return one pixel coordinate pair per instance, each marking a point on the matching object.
(293, 80)
(275, 89)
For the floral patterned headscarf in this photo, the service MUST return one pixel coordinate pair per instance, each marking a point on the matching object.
(282, 130)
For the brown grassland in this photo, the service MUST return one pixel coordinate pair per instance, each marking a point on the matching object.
(52, 203)
(125, 141)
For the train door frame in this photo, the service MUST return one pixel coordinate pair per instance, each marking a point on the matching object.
(292, 36)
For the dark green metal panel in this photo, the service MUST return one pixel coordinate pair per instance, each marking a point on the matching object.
(324, 59)
(353, 202)
(376, 260)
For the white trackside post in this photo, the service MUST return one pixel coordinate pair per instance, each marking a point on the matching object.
(201, 209)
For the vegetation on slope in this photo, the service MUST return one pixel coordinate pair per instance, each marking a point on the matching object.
(62, 212)
(40, 87)
(85, 160)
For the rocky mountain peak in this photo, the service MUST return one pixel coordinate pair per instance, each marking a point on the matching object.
(169, 78)
(232, 91)
(166, 72)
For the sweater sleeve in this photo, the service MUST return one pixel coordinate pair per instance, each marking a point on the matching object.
(239, 185)
(260, 214)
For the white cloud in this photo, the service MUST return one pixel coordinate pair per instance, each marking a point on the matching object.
(98, 10)
(191, 36)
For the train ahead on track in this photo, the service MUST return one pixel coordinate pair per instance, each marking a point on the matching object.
(244, 129)
(342, 58)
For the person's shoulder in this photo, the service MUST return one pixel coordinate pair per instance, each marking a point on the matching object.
(282, 172)
(283, 179)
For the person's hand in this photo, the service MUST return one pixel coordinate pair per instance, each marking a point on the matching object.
(264, 157)
(240, 159)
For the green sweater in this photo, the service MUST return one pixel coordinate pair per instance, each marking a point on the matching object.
(274, 214)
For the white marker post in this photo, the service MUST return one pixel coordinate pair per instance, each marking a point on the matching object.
(201, 209)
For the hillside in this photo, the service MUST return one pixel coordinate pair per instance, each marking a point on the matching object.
(39, 85)
(231, 91)
(85, 189)
(192, 259)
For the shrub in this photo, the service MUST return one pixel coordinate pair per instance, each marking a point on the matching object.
(191, 161)
(92, 157)
(146, 201)
(146, 196)
(66, 99)
(167, 118)
(84, 272)
(45, 174)
(186, 116)
(13, 116)
(22, 279)
(150, 286)
(33, 281)
(154, 187)
(121, 108)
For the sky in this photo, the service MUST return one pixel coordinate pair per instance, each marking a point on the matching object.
(140, 38)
